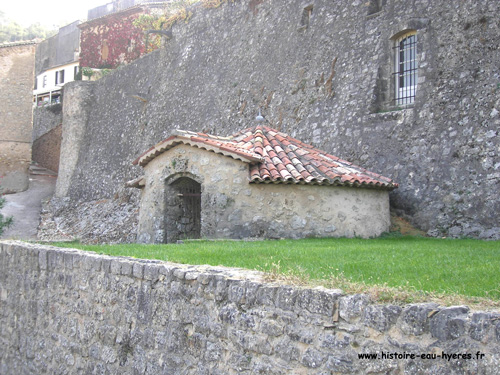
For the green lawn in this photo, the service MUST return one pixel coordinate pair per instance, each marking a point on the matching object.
(466, 267)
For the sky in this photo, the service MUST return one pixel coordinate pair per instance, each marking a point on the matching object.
(48, 12)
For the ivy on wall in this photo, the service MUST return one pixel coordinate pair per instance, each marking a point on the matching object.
(120, 39)
(112, 41)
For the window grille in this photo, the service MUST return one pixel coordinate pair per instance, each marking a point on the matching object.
(406, 69)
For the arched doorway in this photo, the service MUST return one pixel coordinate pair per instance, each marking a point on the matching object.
(183, 210)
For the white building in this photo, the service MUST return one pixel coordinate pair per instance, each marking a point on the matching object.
(49, 83)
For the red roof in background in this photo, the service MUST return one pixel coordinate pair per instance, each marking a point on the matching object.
(275, 157)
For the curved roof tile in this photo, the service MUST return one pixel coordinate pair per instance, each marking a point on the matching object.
(275, 157)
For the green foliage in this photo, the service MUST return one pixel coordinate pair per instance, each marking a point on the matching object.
(172, 13)
(11, 31)
(105, 72)
(413, 263)
(5, 222)
(87, 72)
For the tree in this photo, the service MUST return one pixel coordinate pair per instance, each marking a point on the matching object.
(11, 31)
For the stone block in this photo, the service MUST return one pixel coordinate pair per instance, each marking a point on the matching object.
(87, 262)
(335, 341)
(318, 301)
(126, 267)
(220, 292)
(68, 260)
(96, 264)
(266, 295)
(42, 259)
(251, 342)
(299, 332)
(108, 355)
(480, 325)
(381, 317)
(115, 267)
(106, 265)
(415, 318)
(251, 292)
(340, 363)
(352, 306)
(286, 297)
(229, 314)
(78, 260)
(138, 270)
(179, 273)
(287, 350)
(191, 275)
(52, 263)
(313, 358)
(236, 291)
(272, 327)
(450, 323)
(204, 278)
(497, 331)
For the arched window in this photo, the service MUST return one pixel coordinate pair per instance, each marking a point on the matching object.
(405, 68)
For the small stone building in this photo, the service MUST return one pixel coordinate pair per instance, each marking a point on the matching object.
(258, 182)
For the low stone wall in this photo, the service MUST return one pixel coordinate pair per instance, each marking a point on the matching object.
(65, 311)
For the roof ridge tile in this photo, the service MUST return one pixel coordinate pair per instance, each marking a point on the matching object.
(276, 157)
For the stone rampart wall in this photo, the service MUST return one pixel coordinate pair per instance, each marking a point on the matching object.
(324, 77)
(65, 311)
(17, 65)
(45, 119)
(46, 149)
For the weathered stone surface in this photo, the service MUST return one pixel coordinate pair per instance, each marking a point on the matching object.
(381, 317)
(352, 306)
(482, 324)
(415, 319)
(85, 313)
(449, 323)
(17, 66)
(327, 82)
(279, 206)
(102, 221)
(46, 150)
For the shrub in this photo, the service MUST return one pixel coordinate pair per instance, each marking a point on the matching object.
(5, 222)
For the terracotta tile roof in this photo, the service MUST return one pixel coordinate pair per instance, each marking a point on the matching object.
(219, 145)
(275, 157)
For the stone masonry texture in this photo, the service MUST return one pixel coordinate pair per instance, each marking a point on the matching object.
(17, 65)
(45, 119)
(325, 78)
(65, 311)
(233, 208)
(46, 149)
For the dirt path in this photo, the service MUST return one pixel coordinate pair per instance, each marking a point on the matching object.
(25, 207)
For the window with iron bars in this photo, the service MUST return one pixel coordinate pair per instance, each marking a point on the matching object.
(406, 69)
